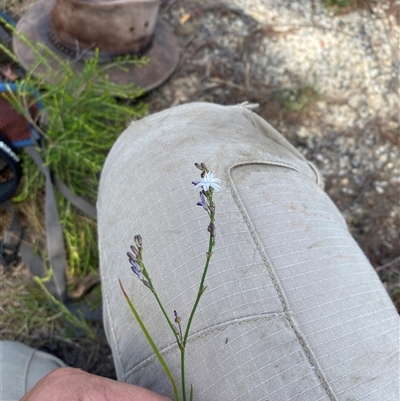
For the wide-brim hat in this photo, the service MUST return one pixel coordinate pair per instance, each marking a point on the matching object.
(72, 29)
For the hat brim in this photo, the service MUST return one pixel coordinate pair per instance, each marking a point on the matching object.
(163, 51)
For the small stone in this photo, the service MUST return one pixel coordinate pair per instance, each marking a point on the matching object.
(347, 191)
(383, 184)
(383, 158)
(354, 101)
(302, 132)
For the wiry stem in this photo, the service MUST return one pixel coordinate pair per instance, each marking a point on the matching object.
(153, 290)
(201, 288)
(172, 327)
(200, 292)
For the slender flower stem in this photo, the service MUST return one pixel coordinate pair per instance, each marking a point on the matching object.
(152, 344)
(183, 374)
(208, 184)
(200, 292)
(166, 316)
(153, 290)
(201, 288)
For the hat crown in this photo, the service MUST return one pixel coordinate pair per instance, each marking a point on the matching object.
(116, 27)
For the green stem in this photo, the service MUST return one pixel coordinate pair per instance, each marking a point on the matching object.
(166, 317)
(153, 290)
(199, 294)
(183, 374)
(201, 289)
(151, 342)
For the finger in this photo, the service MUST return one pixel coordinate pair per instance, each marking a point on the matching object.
(69, 384)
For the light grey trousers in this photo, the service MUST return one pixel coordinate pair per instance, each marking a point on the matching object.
(293, 310)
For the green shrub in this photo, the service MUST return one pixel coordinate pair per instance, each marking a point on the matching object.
(84, 113)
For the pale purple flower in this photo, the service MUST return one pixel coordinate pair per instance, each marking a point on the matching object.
(136, 268)
(209, 180)
(202, 201)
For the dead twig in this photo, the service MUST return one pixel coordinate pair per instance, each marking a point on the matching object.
(393, 263)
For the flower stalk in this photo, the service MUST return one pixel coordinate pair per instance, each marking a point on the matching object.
(208, 184)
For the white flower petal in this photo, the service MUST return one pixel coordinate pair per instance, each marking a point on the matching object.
(216, 187)
(209, 180)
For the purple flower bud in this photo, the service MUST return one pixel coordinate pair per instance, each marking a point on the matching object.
(177, 318)
(198, 166)
(138, 241)
(211, 229)
(131, 257)
(202, 201)
(134, 250)
(136, 269)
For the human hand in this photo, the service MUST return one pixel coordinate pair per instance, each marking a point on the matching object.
(69, 384)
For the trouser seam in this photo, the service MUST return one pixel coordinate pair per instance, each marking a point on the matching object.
(207, 331)
(26, 368)
(268, 265)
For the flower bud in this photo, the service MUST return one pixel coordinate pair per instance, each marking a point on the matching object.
(134, 250)
(211, 229)
(198, 166)
(138, 240)
(177, 318)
